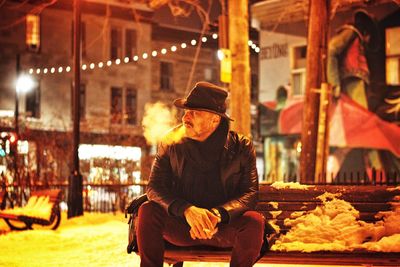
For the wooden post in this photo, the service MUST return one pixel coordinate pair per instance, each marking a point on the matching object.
(316, 66)
(323, 135)
(240, 83)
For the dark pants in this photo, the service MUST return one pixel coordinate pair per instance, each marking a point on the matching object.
(244, 235)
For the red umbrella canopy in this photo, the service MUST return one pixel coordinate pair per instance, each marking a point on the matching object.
(351, 125)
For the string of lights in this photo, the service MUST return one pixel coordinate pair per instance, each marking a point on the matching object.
(119, 61)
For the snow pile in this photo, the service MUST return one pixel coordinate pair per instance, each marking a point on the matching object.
(335, 226)
(291, 185)
(37, 206)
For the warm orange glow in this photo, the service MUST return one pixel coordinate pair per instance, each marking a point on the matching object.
(157, 121)
(33, 31)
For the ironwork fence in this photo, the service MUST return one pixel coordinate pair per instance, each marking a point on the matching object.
(115, 197)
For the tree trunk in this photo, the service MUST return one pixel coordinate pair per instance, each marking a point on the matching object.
(240, 84)
(316, 67)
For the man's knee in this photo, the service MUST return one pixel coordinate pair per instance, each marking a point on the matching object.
(149, 212)
(254, 220)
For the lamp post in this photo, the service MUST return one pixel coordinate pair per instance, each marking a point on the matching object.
(24, 84)
(75, 197)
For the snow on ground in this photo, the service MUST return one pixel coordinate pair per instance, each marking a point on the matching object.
(91, 240)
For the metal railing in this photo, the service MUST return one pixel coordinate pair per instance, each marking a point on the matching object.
(115, 197)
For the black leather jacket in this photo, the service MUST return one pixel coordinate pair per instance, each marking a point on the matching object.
(238, 174)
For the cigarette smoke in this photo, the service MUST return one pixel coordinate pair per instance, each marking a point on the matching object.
(157, 123)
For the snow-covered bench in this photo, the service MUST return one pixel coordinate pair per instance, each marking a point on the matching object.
(337, 225)
(42, 209)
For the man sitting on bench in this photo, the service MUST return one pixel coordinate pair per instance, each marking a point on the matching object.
(203, 187)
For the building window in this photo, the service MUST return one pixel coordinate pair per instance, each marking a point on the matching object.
(298, 70)
(32, 101)
(83, 38)
(116, 43)
(82, 102)
(33, 32)
(123, 112)
(166, 76)
(393, 56)
(130, 43)
(116, 105)
(131, 106)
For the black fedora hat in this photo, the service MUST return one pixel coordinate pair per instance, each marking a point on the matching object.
(205, 96)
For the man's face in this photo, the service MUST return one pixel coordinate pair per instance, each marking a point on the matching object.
(199, 124)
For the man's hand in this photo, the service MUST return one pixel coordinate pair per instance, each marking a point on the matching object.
(202, 222)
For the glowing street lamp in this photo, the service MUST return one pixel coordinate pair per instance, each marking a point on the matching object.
(24, 84)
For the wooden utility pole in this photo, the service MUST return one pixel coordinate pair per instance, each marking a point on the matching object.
(316, 67)
(75, 198)
(240, 83)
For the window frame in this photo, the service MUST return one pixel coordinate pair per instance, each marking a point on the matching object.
(169, 77)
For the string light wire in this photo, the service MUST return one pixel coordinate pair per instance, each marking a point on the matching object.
(135, 58)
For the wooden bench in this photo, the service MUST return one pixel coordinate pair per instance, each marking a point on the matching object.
(279, 204)
(43, 202)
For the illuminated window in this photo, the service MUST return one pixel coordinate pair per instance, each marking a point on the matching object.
(393, 56)
(33, 32)
(166, 76)
(298, 69)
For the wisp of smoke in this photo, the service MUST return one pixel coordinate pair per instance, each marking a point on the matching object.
(157, 121)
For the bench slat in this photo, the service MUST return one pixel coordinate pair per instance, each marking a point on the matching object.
(376, 194)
